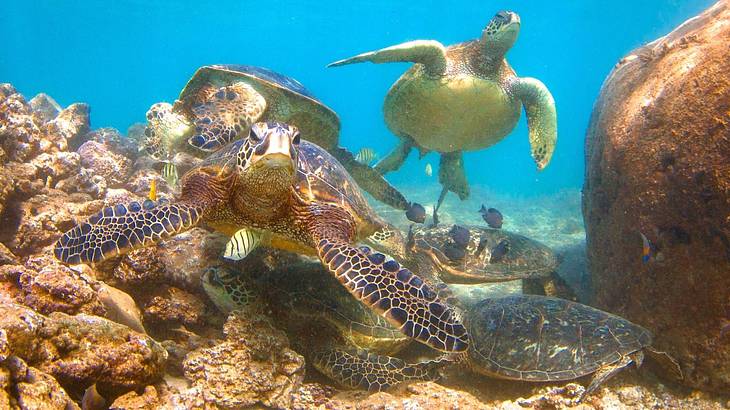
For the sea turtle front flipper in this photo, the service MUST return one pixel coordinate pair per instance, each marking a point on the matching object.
(371, 180)
(542, 119)
(430, 53)
(380, 282)
(118, 229)
(359, 369)
(222, 115)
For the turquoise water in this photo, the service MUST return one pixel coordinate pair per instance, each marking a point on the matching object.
(123, 56)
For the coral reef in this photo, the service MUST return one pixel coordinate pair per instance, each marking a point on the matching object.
(657, 164)
(252, 365)
(82, 350)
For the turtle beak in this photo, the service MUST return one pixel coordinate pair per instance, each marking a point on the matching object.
(276, 150)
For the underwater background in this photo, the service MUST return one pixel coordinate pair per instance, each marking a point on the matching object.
(121, 57)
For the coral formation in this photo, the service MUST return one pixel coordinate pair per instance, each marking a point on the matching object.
(657, 164)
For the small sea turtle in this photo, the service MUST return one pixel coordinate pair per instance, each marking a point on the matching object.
(522, 259)
(290, 194)
(520, 337)
(463, 97)
(324, 322)
(221, 102)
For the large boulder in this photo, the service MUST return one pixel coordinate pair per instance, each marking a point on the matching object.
(658, 163)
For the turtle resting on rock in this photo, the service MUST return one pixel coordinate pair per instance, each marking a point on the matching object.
(490, 255)
(519, 337)
(463, 97)
(279, 190)
(220, 103)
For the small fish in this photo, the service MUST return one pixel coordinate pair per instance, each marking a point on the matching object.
(646, 249)
(366, 156)
(454, 252)
(416, 213)
(153, 190)
(492, 217)
(429, 169)
(499, 251)
(92, 400)
(460, 235)
(241, 244)
(169, 173)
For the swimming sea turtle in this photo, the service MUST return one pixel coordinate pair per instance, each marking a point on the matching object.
(519, 337)
(221, 102)
(521, 258)
(463, 97)
(286, 193)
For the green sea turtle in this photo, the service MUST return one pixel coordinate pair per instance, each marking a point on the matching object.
(463, 97)
(481, 261)
(325, 323)
(289, 194)
(520, 337)
(221, 102)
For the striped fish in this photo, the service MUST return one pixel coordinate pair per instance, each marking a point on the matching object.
(169, 173)
(241, 244)
(366, 156)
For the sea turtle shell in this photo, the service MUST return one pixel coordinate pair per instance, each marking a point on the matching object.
(538, 338)
(526, 258)
(286, 98)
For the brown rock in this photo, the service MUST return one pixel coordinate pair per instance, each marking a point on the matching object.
(44, 108)
(658, 161)
(254, 365)
(152, 398)
(174, 306)
(98, 157)
(82, 350)
(27, 388)
(38, 222)
(67, 131)
(19, 135)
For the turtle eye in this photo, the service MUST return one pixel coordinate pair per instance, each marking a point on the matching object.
(253, 135)
(296, 139)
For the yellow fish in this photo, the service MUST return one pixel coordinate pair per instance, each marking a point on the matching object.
(366, 156)
(429, 169)
(153, 190)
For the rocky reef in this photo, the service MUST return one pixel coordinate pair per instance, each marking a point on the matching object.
(138, 331)
(658, 165)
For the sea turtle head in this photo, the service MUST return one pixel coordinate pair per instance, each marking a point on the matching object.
(165, 130)
(267, 159)
(501, 32)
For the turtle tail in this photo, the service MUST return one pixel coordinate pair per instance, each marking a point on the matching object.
(120, 228)
(371, 180)
(359, 369)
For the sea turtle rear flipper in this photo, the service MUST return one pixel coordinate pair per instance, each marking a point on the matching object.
(360, 369)
(542, 119)
(380, 282)
(452, 177)
(121, 228)
(223, 114)
(430, 53)
(607, 371)
(395, 159)
(371, 180)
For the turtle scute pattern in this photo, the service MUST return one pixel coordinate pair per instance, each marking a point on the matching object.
(118, 228)
(383, 284)
(357, 368)
(554, 339)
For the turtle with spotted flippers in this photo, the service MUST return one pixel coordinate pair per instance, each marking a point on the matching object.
(338, 335)
(220, 103)
(491, 255)
(463, 97)
(520, 337)
(290, 194)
